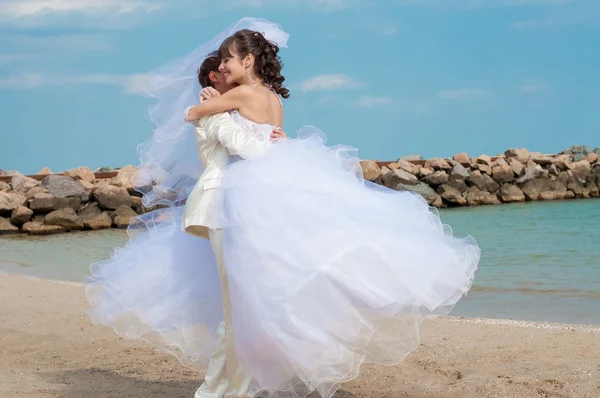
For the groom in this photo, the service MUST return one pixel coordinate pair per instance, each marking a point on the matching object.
(217, 138)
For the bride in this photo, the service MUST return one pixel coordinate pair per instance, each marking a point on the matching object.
(325, 271)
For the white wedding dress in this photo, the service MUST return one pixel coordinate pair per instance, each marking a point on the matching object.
(327, 271)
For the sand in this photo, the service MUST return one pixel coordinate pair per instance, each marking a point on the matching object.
(49, 348)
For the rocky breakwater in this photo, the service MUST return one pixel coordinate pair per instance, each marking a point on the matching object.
(516, 176)
(72, 201)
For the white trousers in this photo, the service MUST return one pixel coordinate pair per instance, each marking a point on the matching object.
(226, 376)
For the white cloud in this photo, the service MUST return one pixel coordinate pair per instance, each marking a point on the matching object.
(368, 101)
(464, 94)
(74, 42)
(135, 84)
(27, 8)
(328, 82)
(533, 88)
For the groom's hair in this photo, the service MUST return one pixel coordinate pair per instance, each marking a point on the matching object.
(210, 64)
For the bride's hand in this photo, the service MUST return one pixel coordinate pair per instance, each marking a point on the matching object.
(208, 93)
(278, 134)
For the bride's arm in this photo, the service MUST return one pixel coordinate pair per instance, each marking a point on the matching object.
(233, 99)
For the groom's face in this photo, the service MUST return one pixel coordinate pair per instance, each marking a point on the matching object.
(218, 81)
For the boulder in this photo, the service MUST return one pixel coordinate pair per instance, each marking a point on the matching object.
(110, 197)
(98, 221)
(22, 184)
(45, 202)
(483, 181)
(459, 173)
(543, 160)
(398, 176)
(440, 164)
(451, 195)
(424, 172)
(476, 197)
(66, 218)
(422, 189)
(10, 201)
(90, 209)
(408, 166)
(484, 168)
(35, 228)
(122, 216)
(4, 186)
(517, 167)
(63, 187)
(509, 193)
(411, 157)
(592, 157)
(34, 191)
(81, 173)
(484, 159)
(459, 184)
(124, 178)
(503, 173)
(533, 188)
(562, 162)
(7, 228)
(532, 171)
(437, 178)
(519, 154)
(21, 215)
(462, 158)
(371, 170)
(44, 171)
(581, 169)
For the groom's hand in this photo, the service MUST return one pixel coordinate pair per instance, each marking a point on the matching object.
(208, 93)
(278, 134)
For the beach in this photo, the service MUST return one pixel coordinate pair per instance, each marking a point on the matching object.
(51, 349)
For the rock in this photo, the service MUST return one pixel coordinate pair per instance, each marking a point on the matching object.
(45, 202)
(533, 188)
(138, 206)
(484, 159)
(98, 221)
(502, 173)
(519, 154)
(509, 193)
(122, 216)
(35, 228)
(34, 191)
(459, 173)
(532, 171)
(22, 184)
(398, 176)
(408, 166)
(371, 170)
(577, 149)
(543, 160)
(81, 173)
(517, 167)
(393, 166)
(483, 181)
(10, 201)
(110, 197)
(45, 170)
(578, 189)
(63, 187)
(459, 184)
(578, 156)
(66, 218)
(384, 170)
(475, 198)
(90, 209)
(411, 157)
(451, 195)
(562, 162)
(124, 178)
(424, 172)
(7, 228)
(4, 186)
(565, 177)
(440, 164)
(592, 157)
(438, 202)
(462, 158)
(422, 189)
(437, 178)
(581, 169)
(21, 215)
(484, 168)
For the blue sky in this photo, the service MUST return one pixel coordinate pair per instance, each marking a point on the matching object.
(390, 77)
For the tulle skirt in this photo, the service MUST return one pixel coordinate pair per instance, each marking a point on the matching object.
(326, 271)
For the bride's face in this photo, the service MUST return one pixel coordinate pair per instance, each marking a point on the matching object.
(232, 68)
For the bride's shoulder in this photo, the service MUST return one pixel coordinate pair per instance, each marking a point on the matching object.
(241, 91)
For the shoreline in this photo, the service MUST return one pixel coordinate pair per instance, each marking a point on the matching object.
(80, 199)
(51, 349)
(452, 318)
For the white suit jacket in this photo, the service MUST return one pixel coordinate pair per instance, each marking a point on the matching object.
(217, 138)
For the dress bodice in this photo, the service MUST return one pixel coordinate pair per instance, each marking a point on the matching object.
(260, 131)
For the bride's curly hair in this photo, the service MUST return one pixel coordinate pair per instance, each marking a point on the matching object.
(267, 64)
